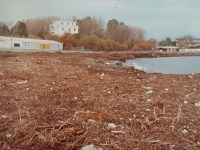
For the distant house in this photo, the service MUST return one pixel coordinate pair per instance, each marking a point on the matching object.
(188, 42)
(167, 48)
(60, 27)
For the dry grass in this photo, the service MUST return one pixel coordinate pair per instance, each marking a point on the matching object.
(67, 101)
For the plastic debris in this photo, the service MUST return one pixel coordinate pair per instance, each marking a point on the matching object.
(122, 132)
(147, 109)
(185, 102)
(149, 100)
(191, 77)
(197, 104)
(194, 89)
(185, 130)
(149, 92)
(4, 116)
(109, 92)
(166, 89)
(112, 125)
(22, 82)
(91, 121)
(8, 135)
(198, 143)
(90, 147)
(147, 88)
(102, 75)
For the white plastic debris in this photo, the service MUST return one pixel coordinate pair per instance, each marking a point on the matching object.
(102, 75)
(8, 135)
(197, 104)
(191, 77)
(185, 86)
(4, 116)
(198, 143)
(22, 82)
(149, 92)
(75, 98)
(184, 131)
(149, 100)
(166, 89)
(130, 119)
(147, 109)
(91, 121)
(27, 89)
(194, 89)
(90, 147)
(185, 102)
(112, 125)
(109, 92)
(147, 88)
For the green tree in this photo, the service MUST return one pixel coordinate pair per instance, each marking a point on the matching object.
(20, 29)
(111, 26)
(4, 30)
(168, 41)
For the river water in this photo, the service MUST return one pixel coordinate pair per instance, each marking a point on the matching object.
(167, 65)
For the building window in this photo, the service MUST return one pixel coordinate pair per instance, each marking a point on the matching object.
(16, 45)
(62, 23)
(74, 29)
(63, 29)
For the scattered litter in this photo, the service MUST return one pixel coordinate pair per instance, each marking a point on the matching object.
(174, 80)
(51, 88)
(112, 125)
(197, 104)
(185, 102)
(8, 135)
(147, 109)
(149, 92)
(147, 88)
(75, 98)
(194, 89)
(185, 86)
(4, 116)
(102, 75)
(27, 89)
(191, 77)
(109, 92)
(166, 89)
(149, 100)
(118, 132)
(184, 131)
(22, 82)
(90, 147)
(198, 143)
(1, 73)
(130, 119)
(91, 121)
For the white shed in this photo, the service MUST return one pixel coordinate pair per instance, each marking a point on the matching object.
(24, 43)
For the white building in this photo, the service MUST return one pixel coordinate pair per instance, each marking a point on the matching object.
(60, 27)
(7, 43)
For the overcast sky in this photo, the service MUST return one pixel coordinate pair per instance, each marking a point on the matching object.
(160, 18)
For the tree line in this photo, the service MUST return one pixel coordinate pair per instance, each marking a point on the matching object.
(93, 34)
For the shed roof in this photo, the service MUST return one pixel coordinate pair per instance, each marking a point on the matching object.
(4, 38)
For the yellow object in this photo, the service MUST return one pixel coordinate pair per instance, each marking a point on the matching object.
(42, 46)
(47, 46)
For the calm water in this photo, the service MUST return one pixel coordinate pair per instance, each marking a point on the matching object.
(168, 65)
